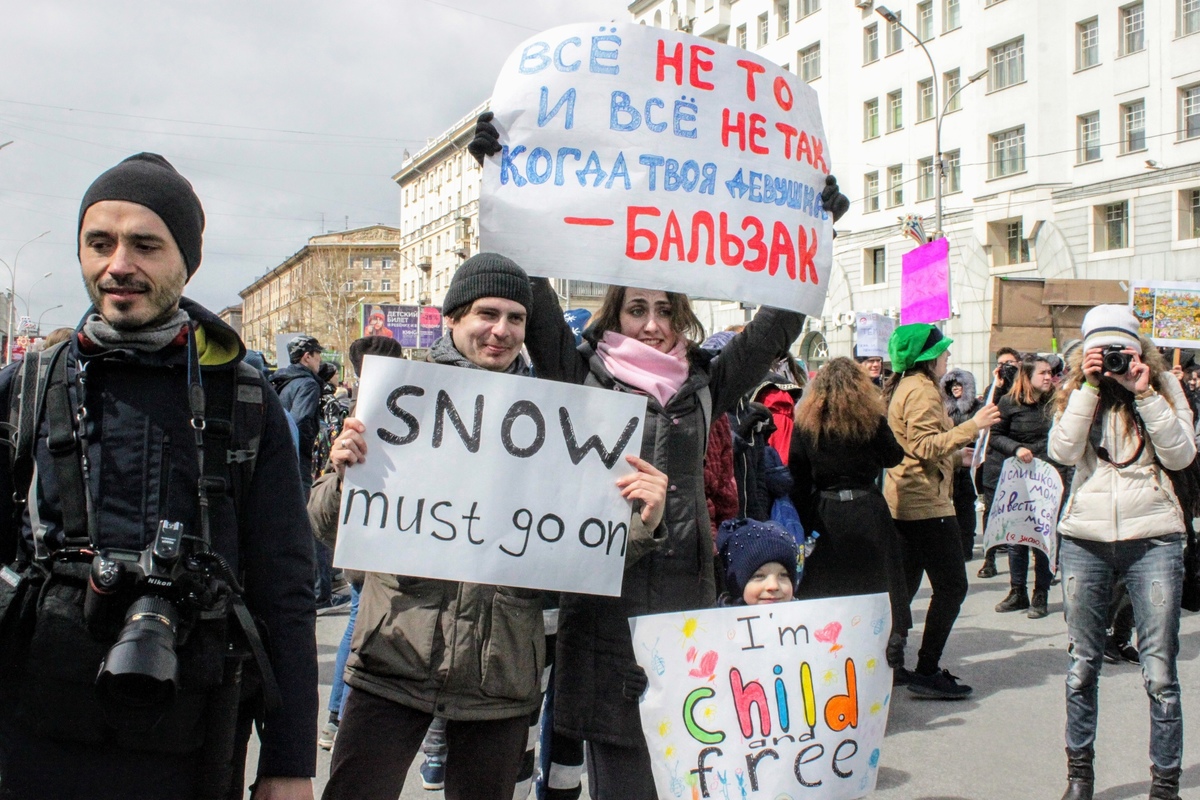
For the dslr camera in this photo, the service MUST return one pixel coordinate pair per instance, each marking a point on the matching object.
(1116, 361)
(151, 599)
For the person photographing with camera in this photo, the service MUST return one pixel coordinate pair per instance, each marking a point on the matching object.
(1124, 424)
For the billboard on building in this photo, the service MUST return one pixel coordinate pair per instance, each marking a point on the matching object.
(411, 326)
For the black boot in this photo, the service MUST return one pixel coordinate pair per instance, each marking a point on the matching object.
(1017, 600)
(1081, 778)
(988, 570)
(1165, 784)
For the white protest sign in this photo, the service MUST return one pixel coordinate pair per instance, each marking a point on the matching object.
(769, 701)
(489, 478)
(1025, 508)
(644, 157)
(873, 332)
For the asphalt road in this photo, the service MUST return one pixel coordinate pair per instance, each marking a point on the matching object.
(1006, 741)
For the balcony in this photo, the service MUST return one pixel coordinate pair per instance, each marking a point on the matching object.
(712, 19)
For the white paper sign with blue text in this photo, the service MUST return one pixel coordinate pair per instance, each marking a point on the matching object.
(766, 701)
(1025, 508)
(639, 156)
(489, 478)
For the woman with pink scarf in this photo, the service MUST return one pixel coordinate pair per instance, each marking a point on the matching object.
(645, 342)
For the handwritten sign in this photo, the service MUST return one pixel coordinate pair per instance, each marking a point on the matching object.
(489, 478)
(873, 332)
(1169, 312)
(769, 701)
(1025, 509)
(651, 158)
(925, 283)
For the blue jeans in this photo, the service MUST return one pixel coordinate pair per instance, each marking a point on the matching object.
(339, 690)
(1018, 568)
(323, 565)
(1153, 572)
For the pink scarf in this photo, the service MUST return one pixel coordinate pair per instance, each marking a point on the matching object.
(639, 365)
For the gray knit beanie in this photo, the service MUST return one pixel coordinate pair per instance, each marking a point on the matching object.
(487, 275)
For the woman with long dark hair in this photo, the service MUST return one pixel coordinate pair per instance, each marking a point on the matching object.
(918, 492)
(1124, 424)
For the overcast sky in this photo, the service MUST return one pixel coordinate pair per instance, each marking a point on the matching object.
(277, 112)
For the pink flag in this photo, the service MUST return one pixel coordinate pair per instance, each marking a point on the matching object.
(925, 283)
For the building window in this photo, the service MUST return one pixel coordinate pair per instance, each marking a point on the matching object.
(783, 17)
(950, 83)
(1189, 214)
(366, 286)
(1133, 126)
(925, 20)
(874, 266)
(895, 36)
(895, 185)
(385, 263)
(741, 36)
(871, 43)
(871, 118)
(763, 30)
(925, 179)
(810, 62)
(1007, 150)
(925, 100)
(348, 286)
(809, 7)
(950, 18)
(895, 104)
(870, 192)
(953, 167)
(1007, 64)
(1088, 129)
(1087, 43)
(1189, 17)
(385, 285)
(1112, 226)
(1016, 246)
(1133, 28)
(367, 262)
(1189, 111)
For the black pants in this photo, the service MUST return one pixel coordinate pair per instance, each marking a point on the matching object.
(378, 739)
(934, 547)
(964, 509)
(619, 773)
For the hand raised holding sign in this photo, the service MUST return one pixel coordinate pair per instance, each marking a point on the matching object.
(649, 485)
(350, 447)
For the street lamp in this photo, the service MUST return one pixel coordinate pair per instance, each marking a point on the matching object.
(44, 313)
(12, 291)
(892, 18)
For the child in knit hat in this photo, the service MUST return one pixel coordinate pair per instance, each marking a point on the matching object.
(762, 562)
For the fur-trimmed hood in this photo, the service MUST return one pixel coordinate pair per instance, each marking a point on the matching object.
(963, 404)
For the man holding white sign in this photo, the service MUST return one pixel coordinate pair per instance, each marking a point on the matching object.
(470, 652)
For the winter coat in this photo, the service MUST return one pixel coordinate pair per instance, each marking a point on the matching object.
(1025, 426)
(1109, 503)
(921, 486)
(300, 392)
(464, 651)
(963, 408)
(595, 650)
(720, 490)
(141, 438)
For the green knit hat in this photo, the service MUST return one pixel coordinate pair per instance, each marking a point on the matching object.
(911, 344)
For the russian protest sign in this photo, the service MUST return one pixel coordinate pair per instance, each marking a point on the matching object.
(489, 478)
(1025, 508)
(1168, 311)
(656, 159)
(768, 701)
(872, 332)
(925, 283)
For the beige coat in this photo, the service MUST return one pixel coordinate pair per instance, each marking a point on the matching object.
(920, 486)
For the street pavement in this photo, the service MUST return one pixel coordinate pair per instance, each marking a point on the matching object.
(1006, 741)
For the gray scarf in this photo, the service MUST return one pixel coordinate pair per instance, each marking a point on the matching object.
(444, 352)
(150, 339)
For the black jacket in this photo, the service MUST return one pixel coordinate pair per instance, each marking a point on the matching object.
(1020, 426)
(300, 392)
(144, 470)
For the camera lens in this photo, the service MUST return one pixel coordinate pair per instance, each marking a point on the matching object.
(1116, 361)
(141, 669)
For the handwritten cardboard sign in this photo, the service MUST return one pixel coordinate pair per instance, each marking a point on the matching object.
(489, 478)
(1025, 509)
(1168, 311)
(925, 283)
(872, 333)
(651, 158)
(767, 701)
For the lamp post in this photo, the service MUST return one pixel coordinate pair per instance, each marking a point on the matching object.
(38, 332)
(12, 292)
(892, 18)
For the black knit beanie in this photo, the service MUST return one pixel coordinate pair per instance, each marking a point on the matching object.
(487, 275)
(373, 346)
(149, 180)
(747, 544)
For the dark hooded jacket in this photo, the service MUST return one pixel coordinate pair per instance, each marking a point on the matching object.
(595, 651)
(300, 392)
(962, 408)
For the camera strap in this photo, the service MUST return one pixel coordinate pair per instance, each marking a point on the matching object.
(67, 444)
(1096, 436)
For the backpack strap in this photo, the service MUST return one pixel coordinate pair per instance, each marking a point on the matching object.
(66, 447)
(24, 413)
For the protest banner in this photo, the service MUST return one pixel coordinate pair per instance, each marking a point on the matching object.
(651, 158)
(770, 701)
(925, 283)
(1168, 311)
(872, 332)
(1025, 508)
(411, 326)
(489, 478)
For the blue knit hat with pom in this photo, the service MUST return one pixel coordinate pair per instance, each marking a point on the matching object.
(747, 544)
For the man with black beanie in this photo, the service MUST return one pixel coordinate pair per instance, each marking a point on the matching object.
(159, 464)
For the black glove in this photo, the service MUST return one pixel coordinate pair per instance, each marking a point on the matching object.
(635, 683)
(832, 199)
(487, 138)
(757, 418)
